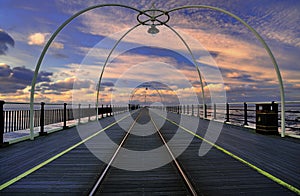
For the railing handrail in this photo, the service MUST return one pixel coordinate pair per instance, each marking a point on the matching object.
(17, 118)
(238, 112)
(38, 103)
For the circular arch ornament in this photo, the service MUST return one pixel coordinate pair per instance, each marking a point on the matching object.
(153, 20)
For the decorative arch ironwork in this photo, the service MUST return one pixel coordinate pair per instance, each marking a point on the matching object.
(154, 20)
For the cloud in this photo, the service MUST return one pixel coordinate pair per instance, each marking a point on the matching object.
(67, 84)
(242, 77)
(60, 55)
(39, 39)
(57, 45)
(5, 70)
(5, 39)
(18, 78)
(107, 84)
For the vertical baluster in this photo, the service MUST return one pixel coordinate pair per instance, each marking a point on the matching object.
(65, 116)
(54, 116)
(79, 116)
(215, 111)
(1, 122)
(245, 114)
(61, 115)
(10, 121)
(57, 115)
(89, 113)
(192, 110)
(227, 112)
(34, 118)
(18, 122)
(6, 121)
(42, 119)
(15, 120)
(110, 110)
(23, 119)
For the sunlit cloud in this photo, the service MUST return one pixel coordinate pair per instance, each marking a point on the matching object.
(39, 39)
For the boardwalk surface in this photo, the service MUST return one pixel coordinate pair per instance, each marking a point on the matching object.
(215, 173)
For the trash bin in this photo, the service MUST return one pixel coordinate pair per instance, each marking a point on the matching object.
(267, 118)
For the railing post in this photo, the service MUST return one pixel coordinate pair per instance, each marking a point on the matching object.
(110, 110)
(227, 112)
(89, 112)
(42, 119)
(245, 114)
(2, 143)
(205, 111)
(79, 113)
(215, 111)
(192, 110)
(102, 113)
(198, 110)
(106, 110)
(65, 116)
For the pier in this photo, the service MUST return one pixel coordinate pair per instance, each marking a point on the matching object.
(240, 162)
(141, 108)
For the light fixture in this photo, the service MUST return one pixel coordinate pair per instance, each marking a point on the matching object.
(153, 30)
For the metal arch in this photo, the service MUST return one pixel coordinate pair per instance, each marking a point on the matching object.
(53, 36)
(33, 83)
(105, 63)
(195, 62)
(262, 41)
(116, 44)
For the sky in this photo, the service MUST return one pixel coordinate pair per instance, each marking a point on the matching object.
(233, 64)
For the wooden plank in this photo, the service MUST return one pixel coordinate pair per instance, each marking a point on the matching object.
(213, 174)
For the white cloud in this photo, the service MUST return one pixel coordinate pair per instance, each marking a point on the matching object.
(57, 45)
(37, 39)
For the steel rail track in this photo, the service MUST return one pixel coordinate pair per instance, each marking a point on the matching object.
(184, 177)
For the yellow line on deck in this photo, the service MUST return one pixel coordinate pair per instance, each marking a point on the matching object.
(19, 177)
(267, 174)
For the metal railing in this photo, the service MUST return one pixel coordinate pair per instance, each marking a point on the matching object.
(240, 113)
(14, 116)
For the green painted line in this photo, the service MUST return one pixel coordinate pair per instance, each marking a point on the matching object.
(267, 174)
(19, 177)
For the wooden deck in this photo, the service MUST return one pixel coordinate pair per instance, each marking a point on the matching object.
(215, 173)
